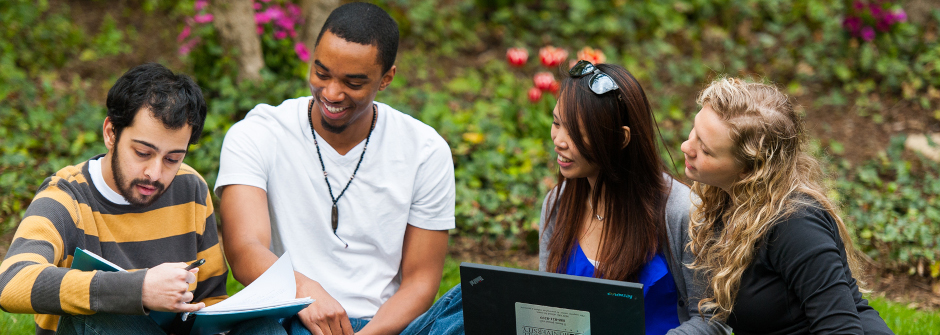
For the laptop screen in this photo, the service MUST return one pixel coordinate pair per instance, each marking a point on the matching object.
(498, 300)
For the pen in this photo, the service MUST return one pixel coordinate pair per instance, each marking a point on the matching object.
(195, 264)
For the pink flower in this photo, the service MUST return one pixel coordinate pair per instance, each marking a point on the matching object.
(552, 56)
(274, 13)
(868, 34)
(200, 4)
(262, 18)
(900, 16)
(294, 10)
(517, 56)
(280, 35)
(257, 6)
(184, 34)
(302, 52)
(595, 56)
(188, 46)
(260, 30)
(285, 22)
(884, 24)
(858, 5)
(535, 94)
(202, 18)
(852, 24)
(543, 80)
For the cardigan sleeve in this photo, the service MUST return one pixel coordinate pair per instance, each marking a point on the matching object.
(691, 287)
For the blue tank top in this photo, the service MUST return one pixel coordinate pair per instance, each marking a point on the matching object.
(659, 289)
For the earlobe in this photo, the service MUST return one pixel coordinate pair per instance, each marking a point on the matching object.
(107, 131)
(387, 78)
(626, 136)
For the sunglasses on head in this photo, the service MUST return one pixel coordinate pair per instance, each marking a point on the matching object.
(599, 82)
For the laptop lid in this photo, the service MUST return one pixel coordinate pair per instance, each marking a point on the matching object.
(499, 300)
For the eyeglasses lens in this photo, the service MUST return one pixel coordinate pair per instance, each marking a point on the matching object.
(602, 83)
(599, 83)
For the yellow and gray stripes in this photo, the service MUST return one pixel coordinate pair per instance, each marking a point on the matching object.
(68, 212)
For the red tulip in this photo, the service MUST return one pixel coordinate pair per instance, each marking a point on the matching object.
(517, 56)
(552, 56)
(535, 94)
(595, 56)
(543, 80)
(555, 87)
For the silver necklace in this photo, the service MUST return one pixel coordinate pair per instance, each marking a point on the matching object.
(590, 204)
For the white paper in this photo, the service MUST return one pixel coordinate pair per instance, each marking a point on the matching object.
(545, 320)
(275, 287)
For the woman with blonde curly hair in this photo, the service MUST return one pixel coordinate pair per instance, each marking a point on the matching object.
(777, 256)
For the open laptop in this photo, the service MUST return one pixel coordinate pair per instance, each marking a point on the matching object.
(498, 300)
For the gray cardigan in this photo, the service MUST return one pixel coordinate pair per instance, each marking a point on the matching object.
(688, 286)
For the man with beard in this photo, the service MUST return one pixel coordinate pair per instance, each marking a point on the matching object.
(360, 194)
(137, 206)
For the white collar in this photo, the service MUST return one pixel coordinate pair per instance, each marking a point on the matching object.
(97, 177)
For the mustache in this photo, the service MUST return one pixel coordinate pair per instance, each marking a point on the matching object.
(143, 182)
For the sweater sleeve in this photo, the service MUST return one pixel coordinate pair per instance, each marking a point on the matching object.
(693, 286)
(807, 252)
(210, 280)
(35, 276)
(546, 228)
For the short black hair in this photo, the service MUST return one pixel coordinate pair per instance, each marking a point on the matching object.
(365, 24)
(174, 99)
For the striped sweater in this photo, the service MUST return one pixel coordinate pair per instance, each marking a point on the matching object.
(69, 212)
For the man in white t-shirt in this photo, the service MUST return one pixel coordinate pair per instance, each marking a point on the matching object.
(361, 194)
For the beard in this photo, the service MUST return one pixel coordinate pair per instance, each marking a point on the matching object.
(126, 189)
(331, 128)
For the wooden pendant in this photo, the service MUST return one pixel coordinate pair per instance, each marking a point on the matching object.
(335, 218)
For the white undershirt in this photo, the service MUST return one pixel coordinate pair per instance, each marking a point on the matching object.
(97, 177)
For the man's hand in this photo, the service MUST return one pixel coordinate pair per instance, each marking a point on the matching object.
(166, 288)
(325, 316)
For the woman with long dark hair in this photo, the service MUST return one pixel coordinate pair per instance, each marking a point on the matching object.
(778, 258)
(615, 213)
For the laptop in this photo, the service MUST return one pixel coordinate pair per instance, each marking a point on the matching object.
(499, 300)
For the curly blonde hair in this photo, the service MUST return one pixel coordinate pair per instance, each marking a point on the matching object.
(779, 178)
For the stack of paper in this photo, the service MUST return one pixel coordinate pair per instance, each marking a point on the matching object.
(273, 294)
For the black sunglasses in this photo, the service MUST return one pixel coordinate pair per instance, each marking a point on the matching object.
(599, 83)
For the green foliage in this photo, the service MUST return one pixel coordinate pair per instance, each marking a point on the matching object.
(894, 207)
(903, 319)
(499, 140)
(17, 324)
(46, 121)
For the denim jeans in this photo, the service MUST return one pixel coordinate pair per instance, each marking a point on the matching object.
(296, 327)
(444, 318)
(104, 323)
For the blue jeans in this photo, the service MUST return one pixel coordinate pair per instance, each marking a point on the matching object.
(296, 327)
(104, 323)
(444, 318)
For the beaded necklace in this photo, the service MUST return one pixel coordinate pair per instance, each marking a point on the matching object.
(334, 219)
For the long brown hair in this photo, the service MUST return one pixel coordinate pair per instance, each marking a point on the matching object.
(630, 180)
(779, 178)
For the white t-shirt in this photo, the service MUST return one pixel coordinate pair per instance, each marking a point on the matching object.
(406, 177)
(97, 177)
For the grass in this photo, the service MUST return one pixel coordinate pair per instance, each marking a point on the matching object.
(901, 318)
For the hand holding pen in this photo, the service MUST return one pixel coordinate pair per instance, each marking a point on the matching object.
(166, 287)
